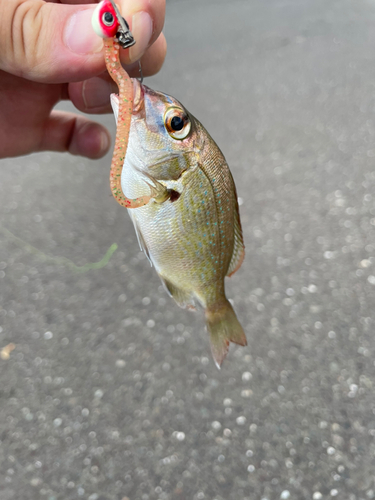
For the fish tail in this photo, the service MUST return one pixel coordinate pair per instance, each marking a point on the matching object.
(224, 327)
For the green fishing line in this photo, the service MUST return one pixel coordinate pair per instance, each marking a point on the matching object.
(61, 260)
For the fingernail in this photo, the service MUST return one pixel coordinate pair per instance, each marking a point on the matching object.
(142, 32)
(79, 35)
(105, 142)
(96, 92)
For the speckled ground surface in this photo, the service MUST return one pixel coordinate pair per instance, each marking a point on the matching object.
(110, 392)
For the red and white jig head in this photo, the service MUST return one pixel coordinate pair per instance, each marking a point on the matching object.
(108, 23)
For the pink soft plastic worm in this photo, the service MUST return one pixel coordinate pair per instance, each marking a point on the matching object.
(124, 83)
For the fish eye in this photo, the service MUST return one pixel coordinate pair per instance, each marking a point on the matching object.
(108, 18)
(177, 123)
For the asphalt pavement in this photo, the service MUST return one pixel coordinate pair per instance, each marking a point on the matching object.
(110, 392)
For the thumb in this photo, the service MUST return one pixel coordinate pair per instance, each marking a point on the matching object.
(48, 42)
(55, 42)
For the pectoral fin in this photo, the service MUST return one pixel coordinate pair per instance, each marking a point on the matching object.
(141, 241)
(159, 192)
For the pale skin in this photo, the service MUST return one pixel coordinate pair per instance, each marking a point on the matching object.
(49, 53)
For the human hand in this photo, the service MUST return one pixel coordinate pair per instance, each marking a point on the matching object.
(49, 52)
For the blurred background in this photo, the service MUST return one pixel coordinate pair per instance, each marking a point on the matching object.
(110, 392)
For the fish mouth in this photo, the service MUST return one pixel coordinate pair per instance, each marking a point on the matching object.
(138, 97)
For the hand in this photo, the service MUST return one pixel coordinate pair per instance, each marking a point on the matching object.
(49, 52)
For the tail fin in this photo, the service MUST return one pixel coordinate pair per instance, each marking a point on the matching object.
(224, 327)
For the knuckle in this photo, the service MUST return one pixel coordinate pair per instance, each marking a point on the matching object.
(26, 37)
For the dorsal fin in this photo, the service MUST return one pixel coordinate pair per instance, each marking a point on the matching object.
(238, 254)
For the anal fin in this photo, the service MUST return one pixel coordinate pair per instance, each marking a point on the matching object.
(183, 299)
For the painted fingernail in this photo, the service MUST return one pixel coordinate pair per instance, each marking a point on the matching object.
(79, 36)
(96, 92)
(142, 32)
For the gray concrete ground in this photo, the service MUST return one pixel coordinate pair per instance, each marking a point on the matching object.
(110, 392)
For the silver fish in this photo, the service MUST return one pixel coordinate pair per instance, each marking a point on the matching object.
(191, 232)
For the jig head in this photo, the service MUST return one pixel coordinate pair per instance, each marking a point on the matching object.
(124, 35)
(108, 23)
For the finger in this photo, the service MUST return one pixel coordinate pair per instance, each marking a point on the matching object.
(140, 27)
(92, 96)
(73, 2)
(55, 43)
(67, 132)
(153, 59)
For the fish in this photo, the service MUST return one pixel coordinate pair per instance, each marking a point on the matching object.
(178, 189)
(192, 232)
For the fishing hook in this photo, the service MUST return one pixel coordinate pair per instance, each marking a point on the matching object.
(140, 72)
(124, 35)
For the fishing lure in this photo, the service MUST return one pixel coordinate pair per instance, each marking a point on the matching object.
(110, 25)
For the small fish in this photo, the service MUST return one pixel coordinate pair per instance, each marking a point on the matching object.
(180, 194)
(192, 235)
